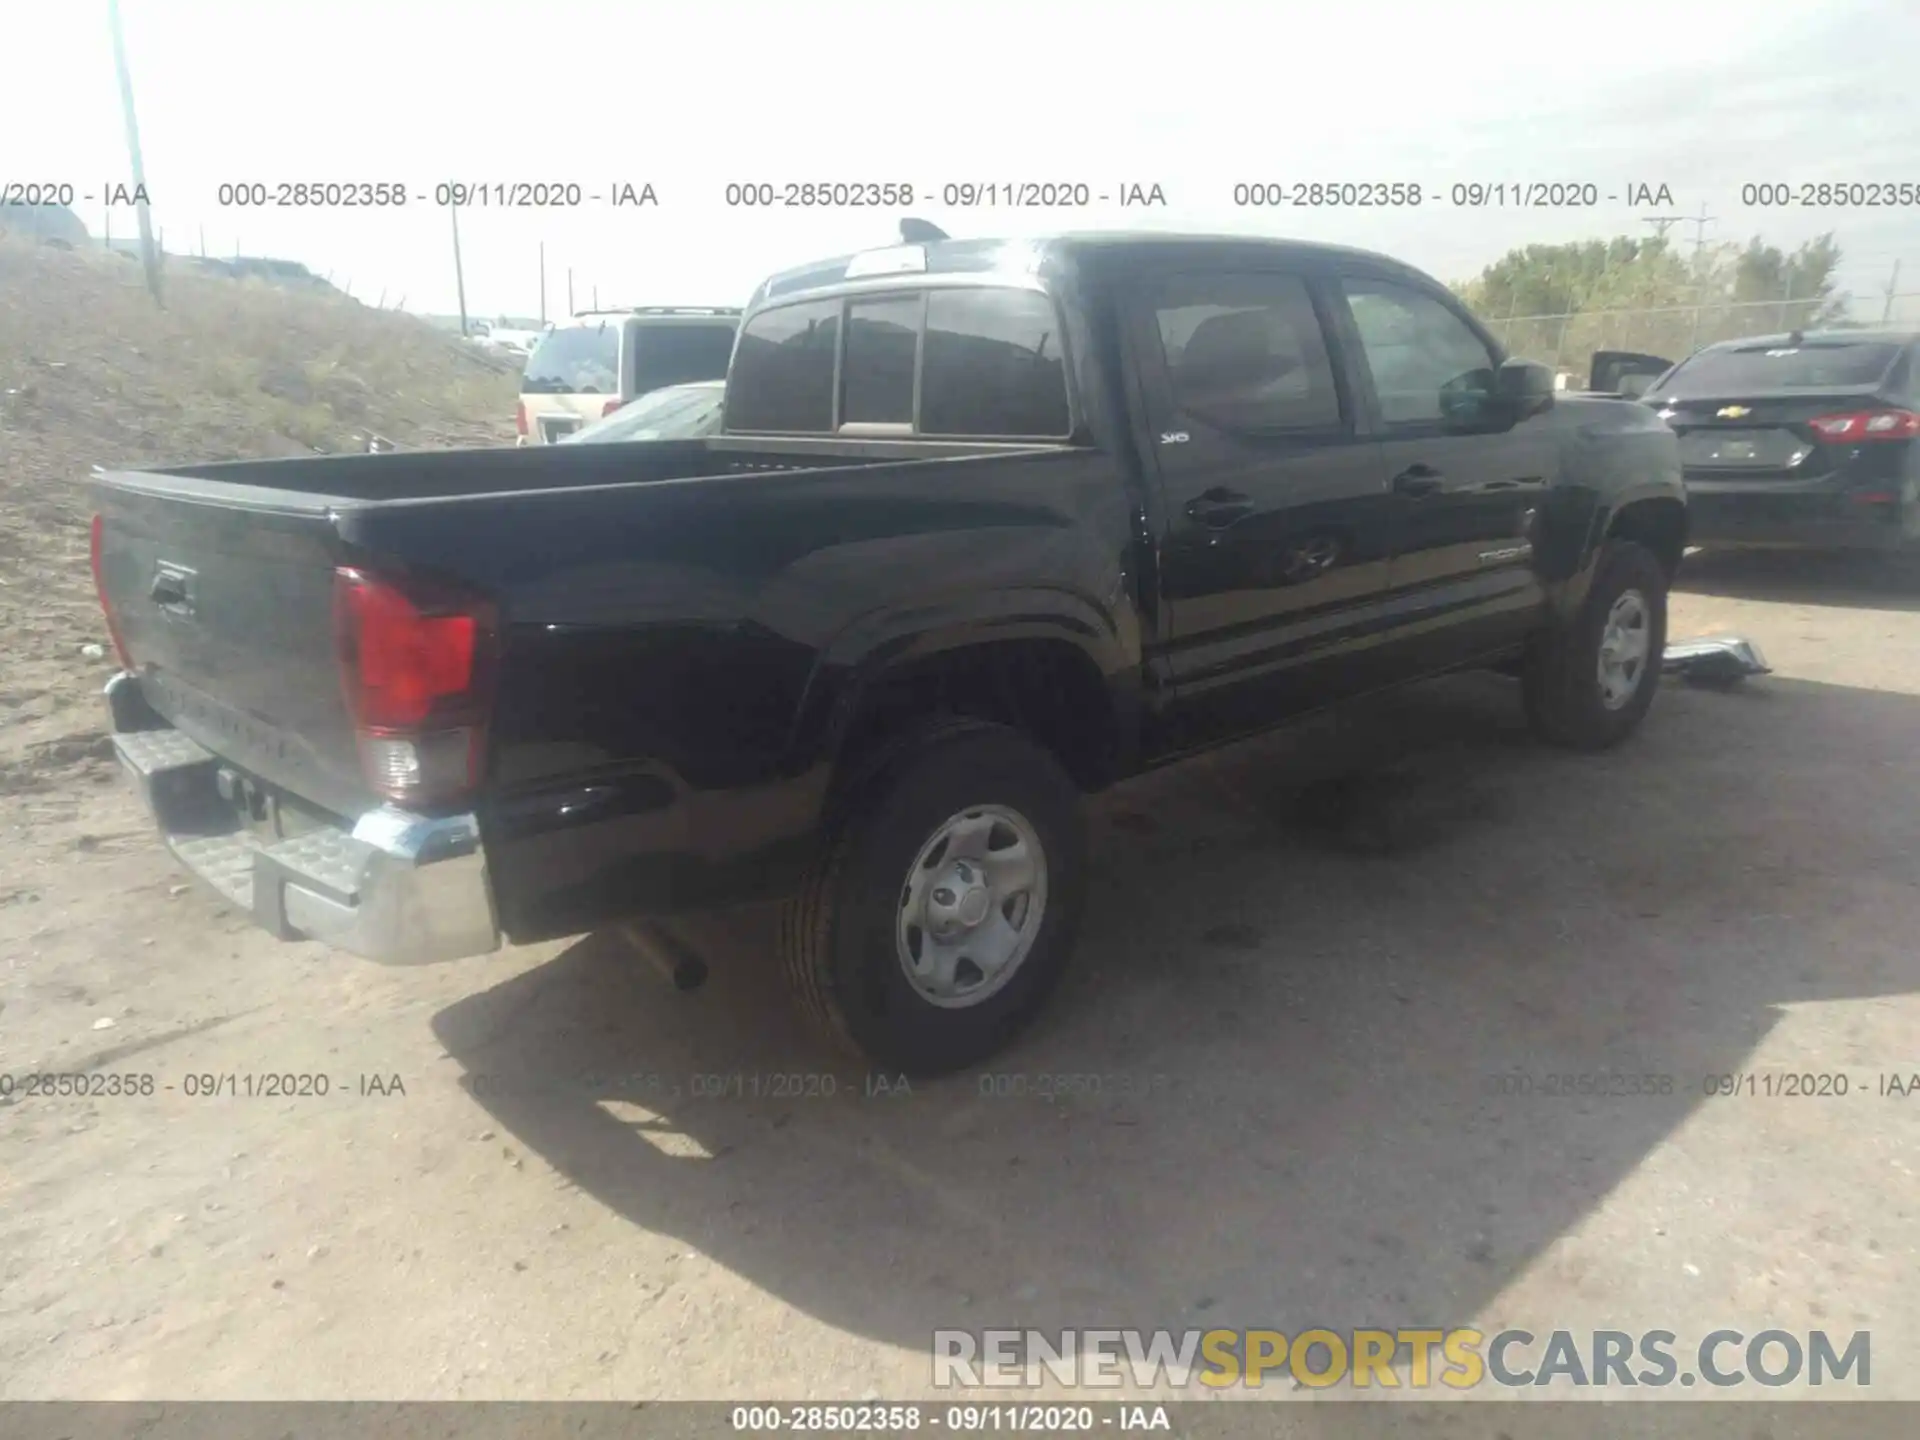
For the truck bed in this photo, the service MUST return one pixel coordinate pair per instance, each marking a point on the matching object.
(221, 576)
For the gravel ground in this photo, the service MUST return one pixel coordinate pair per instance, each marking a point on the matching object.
(1303, 959)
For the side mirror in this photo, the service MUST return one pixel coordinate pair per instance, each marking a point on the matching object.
(1613, 372)
(1488, 401)
(1524, 388)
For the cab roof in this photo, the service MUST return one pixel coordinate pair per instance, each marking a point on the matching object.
(1025, 260)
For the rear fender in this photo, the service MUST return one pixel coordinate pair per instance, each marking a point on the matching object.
(863, 654)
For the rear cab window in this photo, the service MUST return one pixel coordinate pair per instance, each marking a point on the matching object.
(974, 362)
(1814, 364)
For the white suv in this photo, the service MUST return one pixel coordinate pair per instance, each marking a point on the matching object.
(593, 364)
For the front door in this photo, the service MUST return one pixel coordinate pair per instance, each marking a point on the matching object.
(1274, 550)
(1466, 493)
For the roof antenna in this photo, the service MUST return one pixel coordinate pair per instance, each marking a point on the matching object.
(919, 232)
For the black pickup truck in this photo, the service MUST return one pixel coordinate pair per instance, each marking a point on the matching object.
(989, 525)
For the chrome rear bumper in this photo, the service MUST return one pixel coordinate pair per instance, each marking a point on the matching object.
(395, 887)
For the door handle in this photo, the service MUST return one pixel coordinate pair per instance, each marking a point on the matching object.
(1418, 480)
(1219, 506)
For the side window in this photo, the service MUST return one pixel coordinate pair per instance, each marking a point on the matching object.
(676, 354)
(782, 376)
(1246, 352)
(994, 366)
(882, 338)
(1427, 364)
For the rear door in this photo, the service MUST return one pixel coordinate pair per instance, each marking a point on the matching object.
(1274, 559)
(1464, 497)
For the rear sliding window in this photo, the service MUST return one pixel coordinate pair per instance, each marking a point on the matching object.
(575, 360)
(990, 361)
(1760, 370)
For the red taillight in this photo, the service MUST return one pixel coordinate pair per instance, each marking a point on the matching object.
(100, 589)
(520, 416)
(611, 406)
(416, 666)
(1855, 426)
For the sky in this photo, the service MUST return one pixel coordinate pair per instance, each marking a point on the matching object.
(1701, 97)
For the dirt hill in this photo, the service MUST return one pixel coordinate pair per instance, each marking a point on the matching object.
(92, 373)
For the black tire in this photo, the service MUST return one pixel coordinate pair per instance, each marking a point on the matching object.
(838, 933)
(1561, 681)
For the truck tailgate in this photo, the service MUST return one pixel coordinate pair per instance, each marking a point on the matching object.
(225, 604)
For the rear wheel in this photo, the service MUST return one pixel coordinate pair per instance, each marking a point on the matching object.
(1589, 683)
(943, 912)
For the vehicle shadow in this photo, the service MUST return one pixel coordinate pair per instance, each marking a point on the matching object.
(1276, 1088)
(1859, 580)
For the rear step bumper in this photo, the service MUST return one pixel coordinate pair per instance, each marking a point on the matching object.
(396, 887)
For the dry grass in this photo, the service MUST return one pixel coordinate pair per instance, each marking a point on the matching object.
(92, 373)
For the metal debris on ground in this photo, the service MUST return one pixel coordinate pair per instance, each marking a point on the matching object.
(1715, 660)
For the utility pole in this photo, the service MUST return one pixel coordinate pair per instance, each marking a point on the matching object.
(543, 284)
(1699, 223)
(570, 290)
(1661, 224)
(147, 257)
(1893, 281)
(459, 276)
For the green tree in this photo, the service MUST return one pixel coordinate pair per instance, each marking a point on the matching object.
(1560, 303)
(1799, 284)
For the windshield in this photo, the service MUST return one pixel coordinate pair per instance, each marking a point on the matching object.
(1763, 369)
(575, 360)
(678, 413)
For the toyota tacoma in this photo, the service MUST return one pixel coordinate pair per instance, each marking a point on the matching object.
(988, 525)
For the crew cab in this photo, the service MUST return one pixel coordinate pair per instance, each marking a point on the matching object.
(1807, 439)
(988, 525)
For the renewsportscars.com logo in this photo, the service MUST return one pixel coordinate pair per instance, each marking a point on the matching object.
(1418, 1359)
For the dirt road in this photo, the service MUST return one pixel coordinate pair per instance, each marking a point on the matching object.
(1263, 1098)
